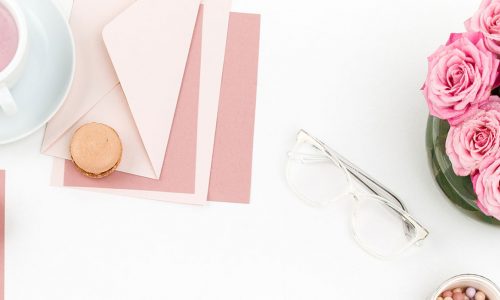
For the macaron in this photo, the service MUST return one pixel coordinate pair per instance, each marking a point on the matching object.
(96, 150)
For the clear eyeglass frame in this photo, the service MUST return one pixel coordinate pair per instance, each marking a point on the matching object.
(413, 231)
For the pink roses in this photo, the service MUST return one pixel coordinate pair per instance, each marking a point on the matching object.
(460, 79)
(476, 139)
(460, 76)
(487, 186)
(487, 21)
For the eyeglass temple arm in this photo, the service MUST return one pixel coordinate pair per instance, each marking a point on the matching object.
(371, 184)
(363, 178)
(375, 186)
(366, 180)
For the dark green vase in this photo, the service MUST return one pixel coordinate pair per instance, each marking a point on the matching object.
(458, 189)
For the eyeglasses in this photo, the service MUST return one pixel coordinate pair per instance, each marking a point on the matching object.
(381, 223)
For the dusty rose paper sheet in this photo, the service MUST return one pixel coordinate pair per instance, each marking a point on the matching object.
(2, 234)
(230, 177)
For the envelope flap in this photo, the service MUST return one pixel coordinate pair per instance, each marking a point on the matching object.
(149, 44)
(94, 72)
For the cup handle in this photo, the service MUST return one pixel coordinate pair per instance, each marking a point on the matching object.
(7, 103)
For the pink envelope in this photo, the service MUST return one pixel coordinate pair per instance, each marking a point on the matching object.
(179, 167)
(97, 96)
(150, 66)
(232, 158)
(215, 24)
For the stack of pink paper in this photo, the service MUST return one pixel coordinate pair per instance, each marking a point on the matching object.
(177, 80)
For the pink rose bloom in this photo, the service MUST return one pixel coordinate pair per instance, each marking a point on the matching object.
(478, 137)
(460, 77)
(487, 186)
(487, 20)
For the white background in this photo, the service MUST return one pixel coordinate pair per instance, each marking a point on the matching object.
(347, 71)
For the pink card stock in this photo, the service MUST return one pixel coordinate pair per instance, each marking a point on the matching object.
(96, 94)
(230, 176)
(2, 234)
(230, 179)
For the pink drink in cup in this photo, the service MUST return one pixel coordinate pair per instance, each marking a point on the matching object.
(13, 48)
(9, 37)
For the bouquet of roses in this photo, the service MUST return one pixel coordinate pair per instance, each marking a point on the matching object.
(461, 88)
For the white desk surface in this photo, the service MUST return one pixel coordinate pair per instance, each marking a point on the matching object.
(347, 71)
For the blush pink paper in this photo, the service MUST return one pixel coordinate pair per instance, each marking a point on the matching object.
(179, 165)
(9, 37)
(231, 176)
(96, 90)
(234, 134)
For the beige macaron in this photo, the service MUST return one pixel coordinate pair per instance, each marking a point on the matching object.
(96, 150)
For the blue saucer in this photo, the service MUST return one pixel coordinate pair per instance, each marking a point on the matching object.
(48, 73)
